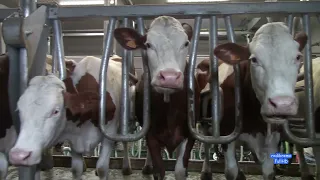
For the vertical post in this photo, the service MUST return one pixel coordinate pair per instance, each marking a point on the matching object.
(238, 101)
(191, 69)
(103, 72)
(27, 7)
(290, 22)
(2, 44)
(308, 79)
(59, 49)
(215, 108)
(125, 100)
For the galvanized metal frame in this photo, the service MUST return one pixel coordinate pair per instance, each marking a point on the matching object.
(213, 11)
(186, 10)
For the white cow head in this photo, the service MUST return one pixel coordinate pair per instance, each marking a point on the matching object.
(42, 111)
(275, 59)
(167, 44)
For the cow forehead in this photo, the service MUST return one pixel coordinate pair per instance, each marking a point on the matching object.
(274, 43)
(42, 96)
(166, 36)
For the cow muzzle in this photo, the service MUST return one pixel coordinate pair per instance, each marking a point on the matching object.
(169, 78)
(281, 106)
(20, 157)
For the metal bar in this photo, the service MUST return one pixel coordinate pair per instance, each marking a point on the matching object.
(59, 49)
(101, 33)
(308, 79)
(125, 100)
(215, 108)
(103, 88)
(184, 11)
(290, 22)
(27, 7)
(191, 97)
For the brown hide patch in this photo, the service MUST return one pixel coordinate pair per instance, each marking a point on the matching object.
(5, 115)
(203, 75)
(84, 105)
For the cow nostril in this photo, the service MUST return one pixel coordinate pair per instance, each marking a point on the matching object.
(272, 103)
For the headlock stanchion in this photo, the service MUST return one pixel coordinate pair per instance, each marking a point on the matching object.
(125, 77)
(216, 139)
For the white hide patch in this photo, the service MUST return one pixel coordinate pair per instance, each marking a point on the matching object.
(224, 71)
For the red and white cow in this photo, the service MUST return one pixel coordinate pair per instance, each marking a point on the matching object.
(167, 44)
(53, 111)
(269, 68)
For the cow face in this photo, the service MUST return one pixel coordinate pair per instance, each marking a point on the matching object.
(42, 117)
(275, 59)
(167, 44)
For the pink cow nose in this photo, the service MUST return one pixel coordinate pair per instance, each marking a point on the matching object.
(18, 156)
(170, 78)
(280, 102)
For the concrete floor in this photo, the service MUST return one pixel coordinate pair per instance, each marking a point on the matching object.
(65, 174)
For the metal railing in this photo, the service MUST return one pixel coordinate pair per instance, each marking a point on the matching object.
(197, 11)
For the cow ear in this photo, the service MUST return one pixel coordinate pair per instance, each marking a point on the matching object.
(129, 38)
(204, 66)
(302, 39)
(232, 53)
(81, 103)
(188, 30)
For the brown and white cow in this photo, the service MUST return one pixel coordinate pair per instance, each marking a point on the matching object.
(167, 44)
(269, 68)
(53, 111)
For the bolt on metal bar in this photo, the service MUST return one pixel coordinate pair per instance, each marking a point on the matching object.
(215, 108)
(191, 95)
(290, 22)
(103, 87)
(125, 100)
(59, 49)
(308, 79)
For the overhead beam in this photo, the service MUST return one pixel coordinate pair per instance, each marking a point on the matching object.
(185, 11)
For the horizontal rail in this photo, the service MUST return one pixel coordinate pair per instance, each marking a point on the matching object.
(183, 11)
(5, 12)
(194, 165)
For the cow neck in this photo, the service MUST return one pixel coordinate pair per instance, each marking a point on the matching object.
(6, 118)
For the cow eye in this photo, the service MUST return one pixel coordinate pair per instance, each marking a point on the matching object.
(148, 45)
(298, 58)
(55, 112)
(186, 44)
(254, 60)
